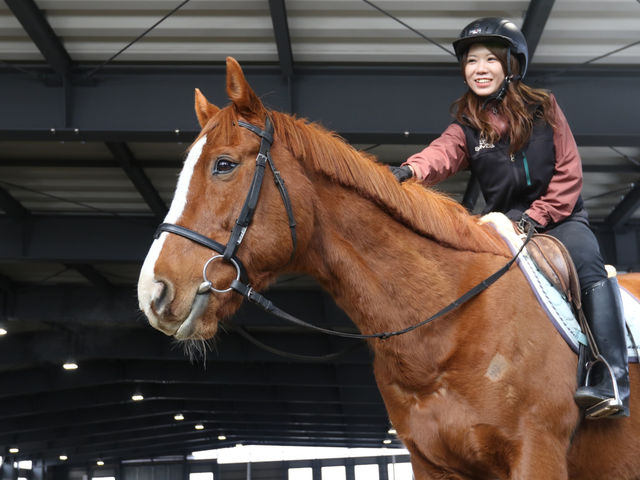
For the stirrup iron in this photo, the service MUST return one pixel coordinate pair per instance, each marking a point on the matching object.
(608, 406)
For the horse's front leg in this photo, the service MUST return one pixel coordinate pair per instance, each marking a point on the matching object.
(542, 457)
(425, 470)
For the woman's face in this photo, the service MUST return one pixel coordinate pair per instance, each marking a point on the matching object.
(483, 71)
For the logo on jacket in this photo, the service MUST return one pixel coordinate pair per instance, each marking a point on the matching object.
(483, 144)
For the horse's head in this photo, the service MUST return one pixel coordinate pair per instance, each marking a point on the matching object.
(183, 290)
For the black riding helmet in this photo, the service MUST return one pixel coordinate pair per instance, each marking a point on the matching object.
(492, 29)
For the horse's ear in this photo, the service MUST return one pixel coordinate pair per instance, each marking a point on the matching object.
(239, 91)
(204, 109)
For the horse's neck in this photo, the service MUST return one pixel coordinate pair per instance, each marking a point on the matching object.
(382, 274)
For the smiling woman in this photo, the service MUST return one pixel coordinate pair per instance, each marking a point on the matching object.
(519, 147)
(483, 71)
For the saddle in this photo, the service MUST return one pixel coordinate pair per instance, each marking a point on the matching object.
(554, 262)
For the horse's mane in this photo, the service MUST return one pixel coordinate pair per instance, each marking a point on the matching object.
(425, 211)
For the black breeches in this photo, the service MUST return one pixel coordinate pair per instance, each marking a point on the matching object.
(583, 247)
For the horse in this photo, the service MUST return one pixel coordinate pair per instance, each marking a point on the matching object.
(483, 392)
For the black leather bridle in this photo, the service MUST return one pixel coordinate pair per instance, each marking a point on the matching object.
(228, 252)
(240, 283)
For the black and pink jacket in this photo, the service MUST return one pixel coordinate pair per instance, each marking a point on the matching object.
(544, 179)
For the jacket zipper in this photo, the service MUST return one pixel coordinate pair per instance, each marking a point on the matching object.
(526, 168)
(525, 164)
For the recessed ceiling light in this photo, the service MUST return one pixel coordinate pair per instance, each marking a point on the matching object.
(14, 450)
(63, 457)
(392, 431)
(178, 416)
(100, 463)
(222, 437)
(3, 331)
(386, 441)
(137, 397)
(70, 365)
(199, 426)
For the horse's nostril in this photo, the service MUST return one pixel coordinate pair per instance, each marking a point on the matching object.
(160, 296)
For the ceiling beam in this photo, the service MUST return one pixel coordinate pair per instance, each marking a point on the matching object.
(157, 104)
(138, 177)
(86, 240)
(534, 22)
(42, 35)
(92, 275)
(104, 417)
(111, 442)
(73, 306)
(12, 207)
(230, 421)
(77, 239)
(188, 442)
(35, 381)
(182, 395)
(176, 164)
(109, 343)
(626, 208)
(281, 31)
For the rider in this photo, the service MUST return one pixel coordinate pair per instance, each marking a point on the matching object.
(518, 144)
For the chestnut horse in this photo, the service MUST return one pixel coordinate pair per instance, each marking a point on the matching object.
(484, 392)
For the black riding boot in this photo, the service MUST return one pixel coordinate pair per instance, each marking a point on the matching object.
(602, 308)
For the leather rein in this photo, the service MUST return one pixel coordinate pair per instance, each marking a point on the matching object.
(240, 283)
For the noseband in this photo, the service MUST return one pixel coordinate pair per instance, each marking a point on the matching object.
(228, 252)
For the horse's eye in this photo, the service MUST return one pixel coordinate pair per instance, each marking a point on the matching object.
(224, 165)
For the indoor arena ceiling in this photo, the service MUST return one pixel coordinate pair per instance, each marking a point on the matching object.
(95, 115)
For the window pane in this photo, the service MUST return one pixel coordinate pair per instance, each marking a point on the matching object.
(301, 473)
(334, 473)
(400, 471)
(367, 472)
(201, 476)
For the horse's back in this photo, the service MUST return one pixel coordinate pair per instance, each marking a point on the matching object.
(630, 281)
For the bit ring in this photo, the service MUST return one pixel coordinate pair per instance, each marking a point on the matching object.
(206, 284)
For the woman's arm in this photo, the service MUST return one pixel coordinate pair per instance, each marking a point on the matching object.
(566, 184)
(445, 156)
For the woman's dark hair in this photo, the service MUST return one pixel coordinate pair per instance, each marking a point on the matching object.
(522, 105)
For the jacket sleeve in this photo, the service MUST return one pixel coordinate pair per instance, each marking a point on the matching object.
(566, 183)
(445, 156)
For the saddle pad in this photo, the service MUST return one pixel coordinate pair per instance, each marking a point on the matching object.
(555, 303)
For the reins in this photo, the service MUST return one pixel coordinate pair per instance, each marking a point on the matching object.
(240, 283)
(269, 307)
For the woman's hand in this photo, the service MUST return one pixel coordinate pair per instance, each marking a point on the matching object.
(402, 173)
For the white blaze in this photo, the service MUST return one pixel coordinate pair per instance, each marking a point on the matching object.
(146, 280)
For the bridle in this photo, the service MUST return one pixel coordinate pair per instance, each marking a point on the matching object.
(240, 283)
(228, 252)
